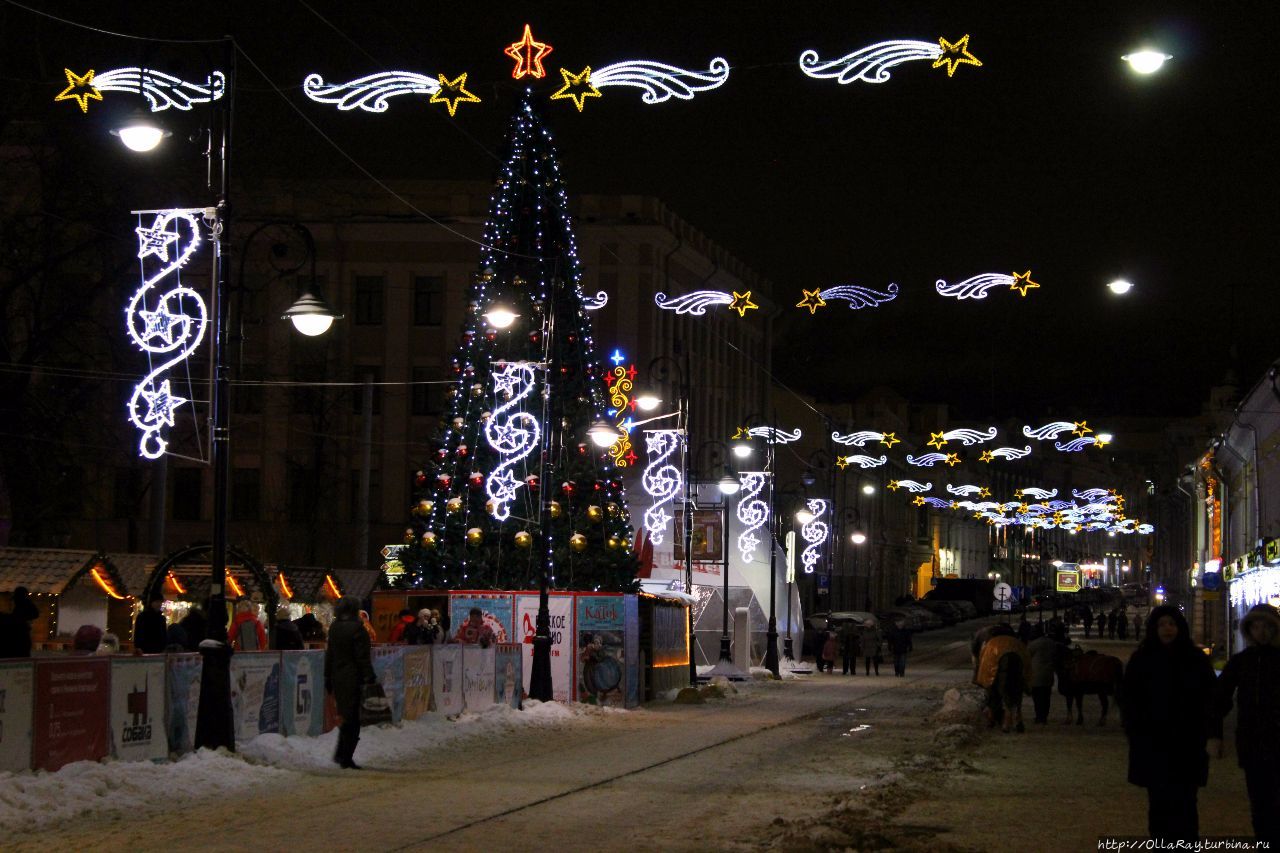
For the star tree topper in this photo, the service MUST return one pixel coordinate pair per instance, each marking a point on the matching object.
(528, 55)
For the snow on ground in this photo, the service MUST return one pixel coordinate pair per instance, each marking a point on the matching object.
(34, 800)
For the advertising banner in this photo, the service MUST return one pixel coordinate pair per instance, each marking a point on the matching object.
(478, 666)
(446, 679)
(388, 665)
(496, 609)
(182, 678)
(560, 608)
(74, 695)
(631, 647)
(137, 709)
(302, 693)
(600, 649)
(17, 701)
(507, 683)
(417, 681)
(255, 694)
(1068, 578)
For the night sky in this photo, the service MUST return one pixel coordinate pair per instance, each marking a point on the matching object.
(1052, 156)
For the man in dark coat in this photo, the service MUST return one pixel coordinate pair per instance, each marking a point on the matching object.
(348, 667)
(1253, 677)
(899, 640)
(15, 626)
(1088, 622)
(1168, 716)
(150, 631)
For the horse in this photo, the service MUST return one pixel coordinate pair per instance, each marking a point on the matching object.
(1088, 673)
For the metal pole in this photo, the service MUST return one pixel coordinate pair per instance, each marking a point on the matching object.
(686, 407)
(788, 650)
(725, 654)
(540, 684)
(771, 650)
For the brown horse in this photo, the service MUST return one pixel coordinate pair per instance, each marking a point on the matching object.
(1088, 673)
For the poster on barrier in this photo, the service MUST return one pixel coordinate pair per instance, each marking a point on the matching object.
(302, 693)
(388, 665)
(417, 681)
(74, 695)
(600, 649)
(477, 677)
(138, 731)
(255, 694)
(17, 702)
(560, 610)
(446, 679)
(496, 610)
(182, 679)
(506, 674)
(631, 647)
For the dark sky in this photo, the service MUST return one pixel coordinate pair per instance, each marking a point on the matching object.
(1053, 156)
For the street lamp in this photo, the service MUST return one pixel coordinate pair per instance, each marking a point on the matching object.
(1146, 61)
(140, 132)
(603, 433)
(858, 537)
(500, 316)
(1120, 286)
(868, 489)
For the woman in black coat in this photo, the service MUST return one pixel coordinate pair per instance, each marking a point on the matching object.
(1167, 710)
(348, 667)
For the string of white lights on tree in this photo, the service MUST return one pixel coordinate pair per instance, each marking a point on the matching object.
(814, 531)
(167, 329)
(514, 436)
(856, 295)
(871, 64)
(662, 480)
(753, 512)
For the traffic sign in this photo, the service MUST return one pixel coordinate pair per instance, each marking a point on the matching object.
(1212, 581)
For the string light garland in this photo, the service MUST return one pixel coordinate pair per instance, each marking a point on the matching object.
(662, 480)
(514, 436)
(370, 93)
(871, 64)
(661, 82)
(814, 532)
(753, 512)
(856, 295)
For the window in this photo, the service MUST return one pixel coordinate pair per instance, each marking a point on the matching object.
(427, 400)
(187, 494)
(375, 495)
(368, 301)
(428, 300)
(246, 494)
(359, 374)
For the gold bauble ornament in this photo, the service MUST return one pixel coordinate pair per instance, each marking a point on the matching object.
(614, 543)
(489, 507)
(408, 536)
(423, 508)
(429, 539)
(594, 513)
(475, 536)
(555, 509)
(578, 542)
(613, 509)
(454, 506)
(523, 539)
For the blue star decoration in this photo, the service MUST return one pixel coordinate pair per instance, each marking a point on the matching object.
(160, 323)
(503, 486)
(154, 241)
(617, 357)
(160, 405)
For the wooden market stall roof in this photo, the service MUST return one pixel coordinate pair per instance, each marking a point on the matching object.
(312, 583)
(52, 571)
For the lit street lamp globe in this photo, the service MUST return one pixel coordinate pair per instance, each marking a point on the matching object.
(1146, 61)
(1120, 287)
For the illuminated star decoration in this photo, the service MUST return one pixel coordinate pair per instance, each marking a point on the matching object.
(1101, 442)
(953, 459)
(890, 439)
(812, 300)
(842, 462)
(79, 89)
(955, 54)
(926, 460)
(576, 88)
(985, 457)
(512, 432)
(697, 302)
(1022, 282)
(162, 91)
(154, 241)
(742, 303)
(1080, 428)
(856, 295)
(160, 404)
(919, 501)
(936, 439)
(865, 461)
(985, 493)
(528, 55)
(160, 323)
(453, 92)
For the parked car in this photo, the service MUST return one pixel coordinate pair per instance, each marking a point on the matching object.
(928, 618)
(910, 618)
(949, 613)
(968, 610)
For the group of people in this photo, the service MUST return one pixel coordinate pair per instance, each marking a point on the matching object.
(1114, 625)
(868, 642)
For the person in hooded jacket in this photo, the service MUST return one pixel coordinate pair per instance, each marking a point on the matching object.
(1167, 712)
(348, 667)
(405, 631)
(247, 633)
(1252, 676)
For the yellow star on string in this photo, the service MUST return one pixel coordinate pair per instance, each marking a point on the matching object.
(953, 459)
(978, 515)
(842, 462)
(1022, 509)
(79, 89)
(812, 300)
(1100, 441)
(742, 303)
(991, 521)
(1022, 283)
(936, 439)
(740, 433)
(986, 456)
(955, 54)
(1017, 493)
(889, 439)
(919, 501)
(576, 88)
(955, 505)
(453, 92)
(893, 486)
(1081, 427)
(985, 493)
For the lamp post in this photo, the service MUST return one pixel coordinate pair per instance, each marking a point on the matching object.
(743, 448)
(728, 486)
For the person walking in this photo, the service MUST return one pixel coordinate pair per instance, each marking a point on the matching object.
(1088, 622)
(15, 626)
(899, 642)
(827, 656)
(1122, 624)
(850, 648)
(871, 651)
(1168, 714)
(1102, 624)
(150, 631)
(1042, 651)
(1137, 626)
(1111, 625)
(348, 668)
(1252, 677)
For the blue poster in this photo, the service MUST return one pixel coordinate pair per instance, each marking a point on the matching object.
(631, 648)
(255, 693)
(183, 680)
(302, 693)
(388, 666)
(600, 649)
(497, 610)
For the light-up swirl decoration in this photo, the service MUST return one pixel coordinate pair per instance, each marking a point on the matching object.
(1145, 529)
(1048, 431)
(926, 460)
(597, 302)
(856, 295)
(168, 329)
(1091, 495)
(369, 93)
(774, 435)
(621, 383)
(869, 64)
(1038, 494)
(857, 439)
(662, 82)
(970, 437)
(914, 486)
(695, 303)
(864, 461)
(662, 480)
(975, 287)
(1011, 452)
(814, 532)
(937, 503)
(965, 490)
(1075, 444)
(162, 90)
(752, 512)
(513, 434)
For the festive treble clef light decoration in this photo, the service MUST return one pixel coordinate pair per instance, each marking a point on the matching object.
(752, 512)
(662, 480)
(815, 533)
(168, 329)
(513, 436)
(621, 380)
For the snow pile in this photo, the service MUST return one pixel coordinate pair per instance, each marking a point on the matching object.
(961, 705)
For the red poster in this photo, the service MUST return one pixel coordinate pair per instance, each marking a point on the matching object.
(73, 711)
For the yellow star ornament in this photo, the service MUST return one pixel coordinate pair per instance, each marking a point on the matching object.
(812, 300)
(936, 439)
(842, 462)
(953, 459)
(1081, 427)
(1022, 282)
(1100, 442)
(79, 89)
(889, 439)
(576, 88)
(985, 457)
(919, 501)
(893, 486)
(453, 92)
(985, 493)
(955, 54)
(740, 433)
(742, 303)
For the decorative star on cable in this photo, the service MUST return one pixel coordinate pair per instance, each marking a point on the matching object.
(505, 383)
(955, 54)
(160, 323)
(890, 439)
(1081, 427)
(893, 486)
(742, 303)
(453, 92)
(154, 241)
(842, 462)
(528, 55)
(985, 493)
(741, 434)
(1100, 441)
(953, 459)
(937, 439)
(160, 404)
(576, 88)
(985, 457)
(79, 89)
(1022, 282)
(812, 300)
(617, 358)
(503, 485)
(919, 501)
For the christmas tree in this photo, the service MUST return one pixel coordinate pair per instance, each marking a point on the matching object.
(515, 483)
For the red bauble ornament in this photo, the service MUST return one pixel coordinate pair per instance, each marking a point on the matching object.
(442, 454)
(491, 336)
(420, 479)
(476, 479)
(582, 448)
(531, 481)
(461, 451)
(597, 486)
(571, 338)
(534, 337)
(444, 480)
(569, 487)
